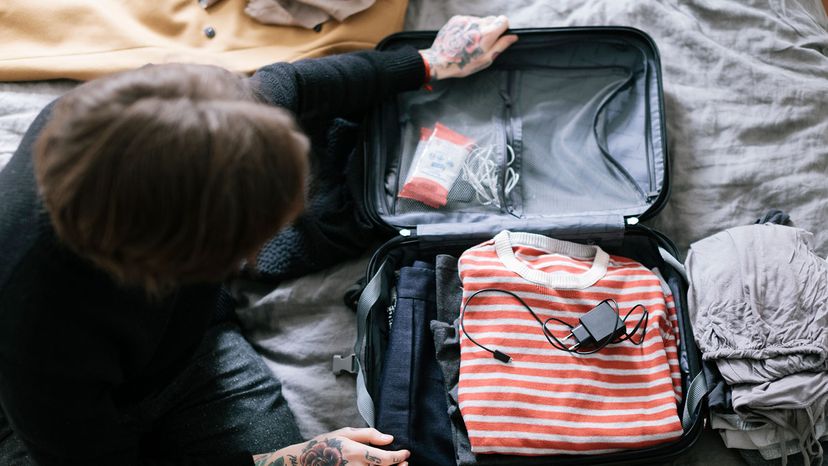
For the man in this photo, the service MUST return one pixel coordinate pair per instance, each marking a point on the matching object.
(126, 205)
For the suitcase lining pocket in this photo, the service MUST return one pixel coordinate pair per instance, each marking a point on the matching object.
(475, 108)
(576, 118)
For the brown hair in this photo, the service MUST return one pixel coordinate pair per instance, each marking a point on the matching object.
(169, 174)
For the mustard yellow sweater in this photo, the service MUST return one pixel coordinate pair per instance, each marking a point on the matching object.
(82, 39)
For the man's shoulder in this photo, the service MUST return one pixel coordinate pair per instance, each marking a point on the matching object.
(23, 218)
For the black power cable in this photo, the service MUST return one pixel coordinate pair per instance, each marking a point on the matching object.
(593, 330)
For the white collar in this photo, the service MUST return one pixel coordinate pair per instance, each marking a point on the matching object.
(505, 241)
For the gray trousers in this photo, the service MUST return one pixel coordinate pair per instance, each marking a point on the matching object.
(225, 400)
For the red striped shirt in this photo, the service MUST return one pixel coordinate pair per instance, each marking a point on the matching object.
(546, 401)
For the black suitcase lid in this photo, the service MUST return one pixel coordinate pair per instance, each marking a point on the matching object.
(581, 111)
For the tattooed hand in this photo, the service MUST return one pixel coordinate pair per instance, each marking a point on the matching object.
(467, 44)
(342, 447)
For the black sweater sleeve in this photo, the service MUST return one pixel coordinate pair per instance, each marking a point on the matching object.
(339, 85)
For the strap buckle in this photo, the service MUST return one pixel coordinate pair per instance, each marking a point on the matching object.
(342, 364)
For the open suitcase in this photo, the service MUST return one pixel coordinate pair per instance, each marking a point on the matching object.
(578, 115)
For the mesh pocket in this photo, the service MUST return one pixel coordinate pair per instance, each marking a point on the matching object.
(474, 109)
(475, 183)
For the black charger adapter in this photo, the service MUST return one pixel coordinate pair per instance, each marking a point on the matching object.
(599, 326)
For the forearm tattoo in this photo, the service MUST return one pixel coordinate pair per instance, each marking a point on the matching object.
(457, 43)
(326, 452)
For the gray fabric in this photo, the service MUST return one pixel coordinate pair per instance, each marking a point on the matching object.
(19, 105)
(759, 436)
(304, 13)
(298, 327)
(719, 398)
(754, 458)
(12, 450)
(758, 302)
(449, 288)
(794, 405)
(447, 347)
(775, 216)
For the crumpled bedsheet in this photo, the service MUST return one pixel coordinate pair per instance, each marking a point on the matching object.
(298, 327)
(20, 102)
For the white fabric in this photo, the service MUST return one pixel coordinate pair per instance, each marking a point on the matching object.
(505, 242)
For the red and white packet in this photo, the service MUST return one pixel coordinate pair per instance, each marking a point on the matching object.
(437, 163)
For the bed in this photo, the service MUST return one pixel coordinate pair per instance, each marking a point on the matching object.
(746, 93)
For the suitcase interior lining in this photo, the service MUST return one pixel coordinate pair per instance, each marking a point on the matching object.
(634, 246)
(583, 119)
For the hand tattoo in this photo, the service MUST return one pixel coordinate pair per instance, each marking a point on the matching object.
(457, 43)
(372, 459)
(327, 452)
(269, 459)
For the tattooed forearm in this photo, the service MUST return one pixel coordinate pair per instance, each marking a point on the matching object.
(292, 460)
(372, 459)
(326, 452)
(269, 459)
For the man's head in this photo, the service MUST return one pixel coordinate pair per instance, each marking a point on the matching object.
(169, 174)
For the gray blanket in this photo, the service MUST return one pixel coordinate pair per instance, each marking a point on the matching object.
(19, 105)
(297, 327)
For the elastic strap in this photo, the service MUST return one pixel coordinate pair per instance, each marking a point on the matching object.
(367, 301)
(696, 393)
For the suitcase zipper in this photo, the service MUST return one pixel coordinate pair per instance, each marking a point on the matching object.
(648, 136)
(514, 140)
(507, 125)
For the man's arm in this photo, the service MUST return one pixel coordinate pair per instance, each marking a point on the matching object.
(349, 84)
(339, 85)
